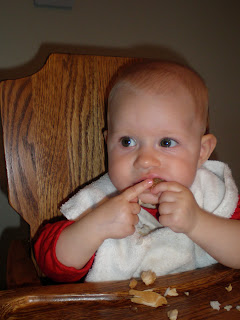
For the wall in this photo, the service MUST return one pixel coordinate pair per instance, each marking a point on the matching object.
(205, 33)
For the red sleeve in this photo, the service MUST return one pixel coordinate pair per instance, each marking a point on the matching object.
(236, 214)
(45, 255)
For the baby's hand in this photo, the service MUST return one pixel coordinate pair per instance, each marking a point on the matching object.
(177, 207)
(118, 216)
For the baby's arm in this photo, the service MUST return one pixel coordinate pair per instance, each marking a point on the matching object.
(45, 254)
(115, 218)
(218, 236)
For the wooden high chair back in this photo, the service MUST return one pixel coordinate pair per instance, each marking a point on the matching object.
(53, 125)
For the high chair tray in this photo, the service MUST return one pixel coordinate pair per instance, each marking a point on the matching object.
(111, 300)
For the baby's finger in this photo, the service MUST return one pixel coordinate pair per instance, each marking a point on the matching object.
(167, 186)
(136, 219)
(135, 208)
(166, 208)
(165, 220)
(133, 192)
(169, 196)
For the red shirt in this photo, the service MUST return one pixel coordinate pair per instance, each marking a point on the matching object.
(45, 251)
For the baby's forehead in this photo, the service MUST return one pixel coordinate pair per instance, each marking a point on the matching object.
(173, 80)
(154, 116)
(174, 96)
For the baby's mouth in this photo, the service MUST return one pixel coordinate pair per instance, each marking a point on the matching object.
(155, 180)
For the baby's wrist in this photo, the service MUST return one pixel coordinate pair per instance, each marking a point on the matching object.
(196, 223)
(101, 231)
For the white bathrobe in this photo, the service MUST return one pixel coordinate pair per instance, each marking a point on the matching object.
(153, 247)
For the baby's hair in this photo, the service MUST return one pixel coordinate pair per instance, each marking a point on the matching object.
(163, 77)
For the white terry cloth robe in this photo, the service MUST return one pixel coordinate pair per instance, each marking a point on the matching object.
(153, 247)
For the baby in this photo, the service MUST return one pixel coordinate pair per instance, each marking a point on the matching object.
(157, 129)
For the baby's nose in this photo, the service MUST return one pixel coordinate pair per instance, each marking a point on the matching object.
(147, 159)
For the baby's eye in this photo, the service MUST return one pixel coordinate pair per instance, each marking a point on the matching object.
(167, 143)
(128, 142)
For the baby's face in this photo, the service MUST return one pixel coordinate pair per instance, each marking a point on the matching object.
(153, 136)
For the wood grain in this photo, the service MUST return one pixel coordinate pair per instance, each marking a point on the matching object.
(53, 125)
(110, 300)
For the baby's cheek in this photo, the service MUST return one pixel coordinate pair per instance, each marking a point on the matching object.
(118, 182)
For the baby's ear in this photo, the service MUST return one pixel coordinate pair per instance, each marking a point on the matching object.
(105, 135)
(208, 144)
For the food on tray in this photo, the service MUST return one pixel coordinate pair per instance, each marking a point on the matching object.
(148, 277)
(153, 299)
(173, 314)
(229, 288)
(171, 292)
(148, 298)
(228, 308)
(215, 305)
(132, 283)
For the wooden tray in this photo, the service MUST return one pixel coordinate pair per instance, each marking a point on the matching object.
(111, 300)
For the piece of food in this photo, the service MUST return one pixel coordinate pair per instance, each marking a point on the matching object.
(148, 277)
(215, 305)
(147, 298)
(156, 181)
(133, 283)
(173, 314)
(186, 293)
(229, 288)
(171, 292)
(228, 308)
(146, 205)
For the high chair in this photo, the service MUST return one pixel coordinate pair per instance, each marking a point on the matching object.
(53, 125)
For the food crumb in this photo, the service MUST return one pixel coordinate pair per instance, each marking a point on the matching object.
(238, 308)
(215, 305)
(171, 292)
(186, 293)
(229, 288)
(173, 314)
(133, 283)
(148, 277)
(228, 308)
